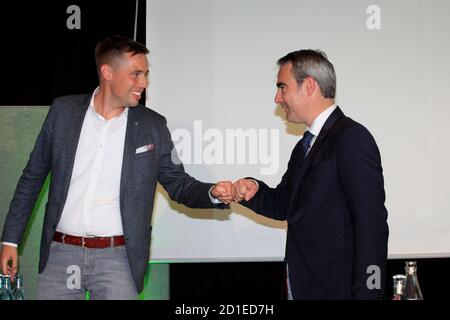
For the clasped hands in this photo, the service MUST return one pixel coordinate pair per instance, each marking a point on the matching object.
(242, 189)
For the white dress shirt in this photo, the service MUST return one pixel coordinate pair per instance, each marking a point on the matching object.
(92, 207)
(318, 123)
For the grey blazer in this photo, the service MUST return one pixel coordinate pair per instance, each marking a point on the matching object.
(54, 152)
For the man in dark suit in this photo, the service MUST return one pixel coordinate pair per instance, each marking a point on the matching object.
(106, 153)
(331, 195)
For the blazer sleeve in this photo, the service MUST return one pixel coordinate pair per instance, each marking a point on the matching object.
(30, 183)
(273, 202)
(361, 175)
(181, 186)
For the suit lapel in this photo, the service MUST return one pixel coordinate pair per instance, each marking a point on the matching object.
(76, 116)
(305, 164)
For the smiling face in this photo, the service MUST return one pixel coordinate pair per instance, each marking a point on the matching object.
(290, 95)
(127, 79)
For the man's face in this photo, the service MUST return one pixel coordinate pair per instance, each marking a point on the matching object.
(129, 79)
(289, 95)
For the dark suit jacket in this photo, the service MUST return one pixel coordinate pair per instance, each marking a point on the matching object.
(333, 202)
(54, 152)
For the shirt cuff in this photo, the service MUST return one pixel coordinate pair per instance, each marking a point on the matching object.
(15, 245)
(213, 200)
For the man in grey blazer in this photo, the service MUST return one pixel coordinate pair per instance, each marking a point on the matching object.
(106, 153)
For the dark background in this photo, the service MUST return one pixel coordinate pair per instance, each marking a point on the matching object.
(264, 280)
(42, 58)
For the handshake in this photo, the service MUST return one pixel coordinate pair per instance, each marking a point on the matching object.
(242, 189)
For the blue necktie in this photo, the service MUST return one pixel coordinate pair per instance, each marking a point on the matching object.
(306, 142)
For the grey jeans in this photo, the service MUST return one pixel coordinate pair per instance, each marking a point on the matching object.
(71, 271)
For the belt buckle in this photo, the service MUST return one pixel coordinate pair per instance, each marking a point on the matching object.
(63, 236)
(83, 240)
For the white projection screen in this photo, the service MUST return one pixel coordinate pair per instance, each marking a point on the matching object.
(213, 73)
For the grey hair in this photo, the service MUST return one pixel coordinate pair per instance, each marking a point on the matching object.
(315, 64)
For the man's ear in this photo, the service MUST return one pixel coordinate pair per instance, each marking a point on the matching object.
(310, 85)
(106, 71)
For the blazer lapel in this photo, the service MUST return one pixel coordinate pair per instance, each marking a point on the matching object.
(76, 116)
(306, 163)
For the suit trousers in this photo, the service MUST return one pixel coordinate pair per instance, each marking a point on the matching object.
(72, 271)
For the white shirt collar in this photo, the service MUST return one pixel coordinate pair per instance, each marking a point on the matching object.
(91, 107)
(91, 103)
(321, 119)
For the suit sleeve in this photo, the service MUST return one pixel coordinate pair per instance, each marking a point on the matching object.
(181, 186)
(361, 175)
(273, 202)
(30, 183)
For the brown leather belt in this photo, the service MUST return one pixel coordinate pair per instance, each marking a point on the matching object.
(89, 242)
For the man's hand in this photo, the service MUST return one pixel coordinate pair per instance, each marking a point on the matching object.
(7, 255)
(223, 191)
(244, 189)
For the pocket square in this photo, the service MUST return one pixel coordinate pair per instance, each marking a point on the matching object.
(147, 147)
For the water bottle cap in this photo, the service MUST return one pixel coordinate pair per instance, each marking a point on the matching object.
(398, 277)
